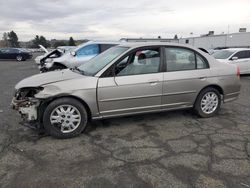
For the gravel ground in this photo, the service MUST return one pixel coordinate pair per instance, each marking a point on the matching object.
(172, 149)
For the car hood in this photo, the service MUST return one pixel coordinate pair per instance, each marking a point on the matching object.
(43, 48)
(47, 78)
(223, 60)
(66, 57)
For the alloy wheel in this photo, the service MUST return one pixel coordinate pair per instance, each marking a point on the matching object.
(209, 102)
(65, 117)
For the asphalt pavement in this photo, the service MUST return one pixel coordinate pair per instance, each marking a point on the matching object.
(170, 149)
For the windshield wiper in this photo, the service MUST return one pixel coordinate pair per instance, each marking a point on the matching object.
(78, 70)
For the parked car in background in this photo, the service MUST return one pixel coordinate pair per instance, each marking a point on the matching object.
(15, 53)
(125, 80)
(237, 56)
(57, 59)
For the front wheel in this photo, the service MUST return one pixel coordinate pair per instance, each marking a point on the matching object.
(65, 118)
(19, 58)
(208, 102)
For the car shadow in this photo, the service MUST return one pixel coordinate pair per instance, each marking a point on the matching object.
(139, 119)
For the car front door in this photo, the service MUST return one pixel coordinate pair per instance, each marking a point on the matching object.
(13, 53)
(136, 84)
(186, 74)
(243, 60)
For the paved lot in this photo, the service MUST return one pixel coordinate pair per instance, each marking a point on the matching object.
(173, 149)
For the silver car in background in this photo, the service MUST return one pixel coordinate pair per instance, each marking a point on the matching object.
(128, 79)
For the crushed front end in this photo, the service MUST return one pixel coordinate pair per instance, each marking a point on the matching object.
(26, 104)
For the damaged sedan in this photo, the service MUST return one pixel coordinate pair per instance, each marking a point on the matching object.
(59, 59)
(128, 79)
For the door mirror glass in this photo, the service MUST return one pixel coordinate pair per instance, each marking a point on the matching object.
(235, 58)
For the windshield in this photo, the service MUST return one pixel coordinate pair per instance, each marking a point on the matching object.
(222, 54)
(99, 62)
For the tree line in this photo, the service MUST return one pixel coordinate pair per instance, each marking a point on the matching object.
(10, 39)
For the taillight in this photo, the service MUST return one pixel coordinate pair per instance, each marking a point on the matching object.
(238, 72)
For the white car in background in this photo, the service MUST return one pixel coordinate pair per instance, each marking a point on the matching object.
(237, 56)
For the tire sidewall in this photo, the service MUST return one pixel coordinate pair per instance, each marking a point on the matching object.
(55, 132)
(198, 102)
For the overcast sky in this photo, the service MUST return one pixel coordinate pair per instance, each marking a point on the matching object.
(114, 19)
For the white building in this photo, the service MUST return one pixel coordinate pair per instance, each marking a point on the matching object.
(241, 39)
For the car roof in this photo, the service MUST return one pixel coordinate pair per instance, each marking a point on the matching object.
(236, 49)
(142, 44)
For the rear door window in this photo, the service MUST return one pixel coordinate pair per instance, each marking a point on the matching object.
(180, 59)
(201, 63)
(13, 51)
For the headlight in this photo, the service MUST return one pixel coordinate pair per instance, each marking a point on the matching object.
(24, 93)
(49, 60)
(49, 90)
(48, 64)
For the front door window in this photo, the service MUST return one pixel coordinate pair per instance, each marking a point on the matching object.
(139, 62)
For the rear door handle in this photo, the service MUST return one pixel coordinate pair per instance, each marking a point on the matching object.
(153, 82)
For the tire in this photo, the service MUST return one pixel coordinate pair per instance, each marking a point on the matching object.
(208, 102)
(19, 58)
(61, 126)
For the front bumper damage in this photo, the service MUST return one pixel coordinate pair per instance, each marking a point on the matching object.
(28, 108)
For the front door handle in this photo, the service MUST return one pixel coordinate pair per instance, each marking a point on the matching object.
(203, 78)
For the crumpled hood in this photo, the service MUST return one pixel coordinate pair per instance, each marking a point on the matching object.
(64, 58)
(47, 78)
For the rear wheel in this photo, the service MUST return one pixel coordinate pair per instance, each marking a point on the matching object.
(19, 58)
(65, 118)
(208, 102)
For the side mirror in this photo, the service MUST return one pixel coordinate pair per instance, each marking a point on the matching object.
(73, 53)
(235, 58)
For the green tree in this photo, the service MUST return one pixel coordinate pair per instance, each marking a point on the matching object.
(36, 41)
(13, 39)
(44, 42)
(71, 41)
(40, 40)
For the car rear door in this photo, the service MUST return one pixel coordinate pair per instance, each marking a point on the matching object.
(186, 74)
(136, 84)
